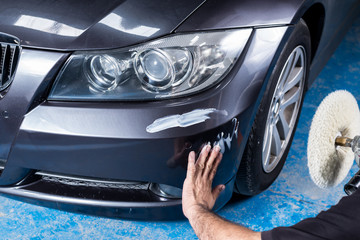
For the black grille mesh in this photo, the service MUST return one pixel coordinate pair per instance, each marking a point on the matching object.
(94, 184)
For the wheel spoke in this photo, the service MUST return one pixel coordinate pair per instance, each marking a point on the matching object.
(295, 59)
(266, 138)
(299, 73)
(292, 99)
(276, 142)
(286, 71)
(285, 128)
(267, 146)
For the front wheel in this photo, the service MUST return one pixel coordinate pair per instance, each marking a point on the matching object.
(275, 122)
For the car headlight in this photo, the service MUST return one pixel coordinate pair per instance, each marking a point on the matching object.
(173, 66)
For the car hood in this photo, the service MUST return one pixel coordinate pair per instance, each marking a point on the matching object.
(96, 24)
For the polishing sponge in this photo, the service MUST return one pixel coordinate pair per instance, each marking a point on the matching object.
(337, 115)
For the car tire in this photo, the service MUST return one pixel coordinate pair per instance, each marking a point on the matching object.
(276, 119)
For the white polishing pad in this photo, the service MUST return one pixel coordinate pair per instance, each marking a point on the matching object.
(337, 115)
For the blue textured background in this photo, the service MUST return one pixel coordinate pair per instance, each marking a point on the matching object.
(290, 199)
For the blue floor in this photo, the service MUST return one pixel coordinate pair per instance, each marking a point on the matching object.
(290, 199)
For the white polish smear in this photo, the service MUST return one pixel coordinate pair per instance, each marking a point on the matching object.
(225, 140)
(184, 120)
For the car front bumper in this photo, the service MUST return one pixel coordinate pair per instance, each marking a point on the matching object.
(52, 152)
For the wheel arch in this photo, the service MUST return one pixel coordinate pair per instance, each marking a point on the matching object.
(314, 18)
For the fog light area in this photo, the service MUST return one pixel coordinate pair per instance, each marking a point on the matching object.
(165, 191)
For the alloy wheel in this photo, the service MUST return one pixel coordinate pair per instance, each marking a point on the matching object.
(284, 109)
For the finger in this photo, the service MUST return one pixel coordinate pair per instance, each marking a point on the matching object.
(191, 165)
(200, 164)
(218, 160)
(217, 190)
(215, 167)
(212, 159)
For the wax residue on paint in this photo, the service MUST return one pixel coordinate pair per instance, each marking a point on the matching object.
(183, 120)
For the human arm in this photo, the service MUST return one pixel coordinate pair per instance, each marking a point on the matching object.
(199, 198)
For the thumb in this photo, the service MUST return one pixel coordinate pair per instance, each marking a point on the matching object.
(217, 190)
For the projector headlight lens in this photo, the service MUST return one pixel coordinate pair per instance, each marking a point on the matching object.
(154, 69)
(103, 72)
(173, 66)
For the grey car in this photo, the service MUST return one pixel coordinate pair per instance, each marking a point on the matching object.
(102, 101)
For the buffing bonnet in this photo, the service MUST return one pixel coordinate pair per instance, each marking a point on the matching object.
(337, 115)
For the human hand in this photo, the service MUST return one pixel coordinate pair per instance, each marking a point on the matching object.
(197, 190)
